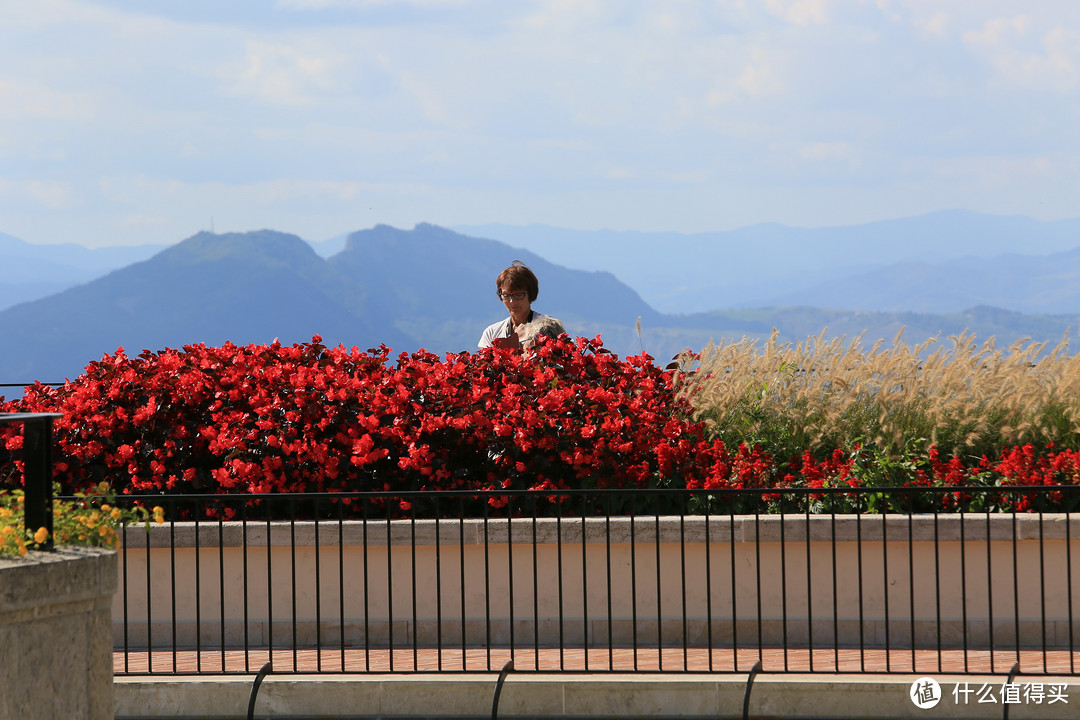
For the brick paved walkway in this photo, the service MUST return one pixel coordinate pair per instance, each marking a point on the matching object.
(426, 659)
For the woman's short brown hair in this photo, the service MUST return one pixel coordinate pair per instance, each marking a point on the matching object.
(518, 276)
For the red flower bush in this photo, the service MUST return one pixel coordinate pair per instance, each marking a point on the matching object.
(265, 419)
(307, 418)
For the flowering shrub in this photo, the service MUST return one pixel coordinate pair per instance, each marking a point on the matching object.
(305, 418)
(266, 419)
(89, 518)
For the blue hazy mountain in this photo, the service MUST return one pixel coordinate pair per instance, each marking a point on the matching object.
(1025, 283)
(31, 271)
(427, 287)
(242, 287)
(772, 264)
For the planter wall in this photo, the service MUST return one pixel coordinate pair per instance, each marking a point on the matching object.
(973, 580)
(55, 638)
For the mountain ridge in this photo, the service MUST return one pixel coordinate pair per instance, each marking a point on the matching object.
(427, 287)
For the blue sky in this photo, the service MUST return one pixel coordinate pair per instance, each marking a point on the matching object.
(135, 121)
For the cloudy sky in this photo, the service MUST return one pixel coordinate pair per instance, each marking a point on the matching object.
(136, 121)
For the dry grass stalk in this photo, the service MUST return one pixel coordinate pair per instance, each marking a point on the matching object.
(823, 393)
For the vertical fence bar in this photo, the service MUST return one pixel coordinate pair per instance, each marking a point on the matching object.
(1069, 586)
(535, 590)
(124, 592)
(172, 587)
(149, 606)
(757, 568)
(990, 592)
(809, 588)
(341, 578)
(269, 587)
(937, 590)
(734, 591)
(607, 550)
(390, 583)
(682, 581)
(412, 587)
(292, 579)
(911, 576)
(1042, 585)
(584, 586)
(885, 582)
(438, 585)
(368, 552)
(487, 588)
(963, 587)
(510, 569)
(247, 614)
(835, 593)
(315, 523)
(221, 578)
(659, 590)
(859, 565)
(709, 588)
(461, 556)
(1016, 588)
(783, 589)
(633, 578)
(559, 572)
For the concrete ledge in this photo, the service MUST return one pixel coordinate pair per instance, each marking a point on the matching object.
(951, 527)
(571, 696)
(55, 639)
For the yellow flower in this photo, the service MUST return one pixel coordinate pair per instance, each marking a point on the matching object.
(104, 507)
(159, 514)
(41, 535)
(5, 513)
(115, 514)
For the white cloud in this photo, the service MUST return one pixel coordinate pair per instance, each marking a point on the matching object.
(553, 111)
(936, 25)
(1025, 57)
(285, 75)
(326, 4)
(19, 99)
(51, 195)
(800, 12)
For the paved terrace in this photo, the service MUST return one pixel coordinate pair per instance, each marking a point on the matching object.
(621, 682)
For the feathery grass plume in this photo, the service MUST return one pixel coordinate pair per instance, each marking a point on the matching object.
(820, 394)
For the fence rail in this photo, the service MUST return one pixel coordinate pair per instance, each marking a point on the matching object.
(602, 581)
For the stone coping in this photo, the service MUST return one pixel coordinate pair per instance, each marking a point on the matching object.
(33, 582)
(570, 696)
(952, 527)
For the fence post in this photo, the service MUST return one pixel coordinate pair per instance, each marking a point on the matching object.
(38, 471)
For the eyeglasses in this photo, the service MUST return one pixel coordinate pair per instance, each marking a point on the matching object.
(507, 297)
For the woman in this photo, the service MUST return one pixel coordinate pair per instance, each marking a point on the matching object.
(517, 287)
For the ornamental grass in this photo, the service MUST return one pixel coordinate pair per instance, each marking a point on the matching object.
(965, 399)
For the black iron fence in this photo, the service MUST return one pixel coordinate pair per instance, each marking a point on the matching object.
(605, 581)
(37, 471)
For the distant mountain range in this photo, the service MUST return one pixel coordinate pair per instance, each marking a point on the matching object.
(434, 288)
(943, 262)
(35, 271)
